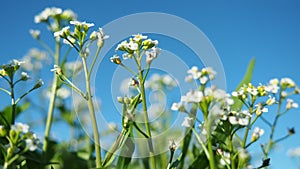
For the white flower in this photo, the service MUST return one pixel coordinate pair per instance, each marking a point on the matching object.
(69, 14)
(132, 45)
(83, 24)
(260, 109)
(192, 96)
(168, 81)
(257, 133)
(225, 158)
(150, 55)
(35, 33)
(271, 100)
(46, 13)
(24, 76)
(32, 142)
(172, 145)
(139, 37)
(20, 127)
(187, 122)
(122, 45)
(115, 59)
(287, 82)
(203, 80)
(194, 72)
(252, 90)
(291, 104)
(242, 118)
(178, 107)
(208, 71)
(64, 32)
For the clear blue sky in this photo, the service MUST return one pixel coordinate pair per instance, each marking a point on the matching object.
(267, 30)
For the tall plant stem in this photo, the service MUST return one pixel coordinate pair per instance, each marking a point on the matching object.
(271, 138)
(13, 102)
(52, 99)
(92, 114)
(141, 79)
(211, 157)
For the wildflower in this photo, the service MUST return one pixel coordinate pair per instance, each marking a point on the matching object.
(194, 72)
(122, 45)
(287, 82)
(150, 55)
(225, 158)
(291, 104)
(187, 122)
(252, 90)
(116, 59)
(270, 101)
(64, 32)
(46, 13)
(261, 89)
(38, 84)
(57, 70)
(178, 107)
(273, 86)
(203, 80)
(260, 109)
(35, 33)
(20, 127)
(149, 43)
(139, 37)
(101, 37)
(32, 142)
(192, 96)
(68, 14)
(24, 76)
(80, 25)
(132, 46)
(133, 82)
(257, 133)
(172, 145)
(241, 118)
(208, 71)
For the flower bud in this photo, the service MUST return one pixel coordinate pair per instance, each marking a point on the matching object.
(3, 131)
(120, 99)
(116, 59)
(38, 84)
(24, 76)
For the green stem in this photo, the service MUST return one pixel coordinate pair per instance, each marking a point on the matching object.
(267, 150)
(232, 157)
(52, 100)
(94, 61)
(92, 114)
(247, 129)
(141, 79)
(210, 148)
(13, 103)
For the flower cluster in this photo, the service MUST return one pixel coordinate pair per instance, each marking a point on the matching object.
(20, 137)
(78, 38)
(203, 75)
(137, 43)
(55, 18)
(157, 81)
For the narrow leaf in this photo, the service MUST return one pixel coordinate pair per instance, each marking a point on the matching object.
(247, 79)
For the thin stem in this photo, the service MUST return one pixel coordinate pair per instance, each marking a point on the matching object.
(21, 97)
(267, 150)
(201, 143)
(142, 82)
(94, 61)
(52, 100)
(209, 145)
(247, 129)
(13, 103)
(92, 114)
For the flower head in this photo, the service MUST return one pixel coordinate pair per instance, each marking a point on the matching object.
(116, 59)
(257, 133)
(187, 122)
(151, 55)
(139, 37)
(291, 104)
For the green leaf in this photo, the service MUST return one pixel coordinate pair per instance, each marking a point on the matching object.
(6, 113)
(247, 79)
(126, 152)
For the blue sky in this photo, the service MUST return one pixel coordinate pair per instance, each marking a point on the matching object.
(239, 30)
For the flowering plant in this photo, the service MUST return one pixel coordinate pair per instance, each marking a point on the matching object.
(218, 128)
